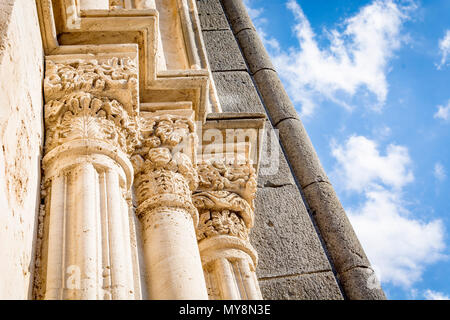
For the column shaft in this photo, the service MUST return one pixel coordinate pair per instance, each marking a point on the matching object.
(120, 257)
(248, 280)
(172, 258)
(81, 235)
(89, 242)
(226, 280)
(55, 262)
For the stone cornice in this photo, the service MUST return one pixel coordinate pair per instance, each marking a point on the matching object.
(68, 30)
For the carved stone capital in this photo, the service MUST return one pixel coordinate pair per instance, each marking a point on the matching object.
(116, 78)
(160, 160)
(222, 176)
(175, 132)
(82, 115)
(165, 172)
(164, 180)
(223, 213)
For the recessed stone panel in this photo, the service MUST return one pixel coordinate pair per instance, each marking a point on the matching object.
(223, 51)
(316, 286)
(237, 93)
(211, 15)
(284, 236)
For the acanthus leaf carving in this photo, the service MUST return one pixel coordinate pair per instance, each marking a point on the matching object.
(165, 174)
(162, 172)
(223, 213)
(221, 176)
(81, 115)
(169, 131)
(224, 222)
(90, 76)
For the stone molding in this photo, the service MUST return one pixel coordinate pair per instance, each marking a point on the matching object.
(69, 30)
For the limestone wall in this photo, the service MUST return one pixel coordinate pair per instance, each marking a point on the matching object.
(21, 72)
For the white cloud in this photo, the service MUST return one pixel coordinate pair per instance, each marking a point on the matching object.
(439, 172)
(383, 132)
(357, 57)
(443, 112)
(434, 295)
(399, 245)
(254, 13)
(362, 164)
(444, 47)
(260, 23)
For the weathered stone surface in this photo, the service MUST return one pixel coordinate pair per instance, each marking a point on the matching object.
(275, 97)
(335, 228)
(362, 284)
(5, 17)
(316, 286)
(223, 51)
(237, 15)
(21, 72)
(274, 170)
(254, 51)
(211, 15)
(284, 235)
(237, 92)
(300, 152)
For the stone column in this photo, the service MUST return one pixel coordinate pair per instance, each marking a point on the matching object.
(86, 252)
(165, 179)
(229, 260)
(88, 255)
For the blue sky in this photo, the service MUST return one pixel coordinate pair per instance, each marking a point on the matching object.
(370, 79)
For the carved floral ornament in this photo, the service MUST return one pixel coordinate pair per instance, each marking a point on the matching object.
(83, 116)
(223, 213)
(220, 176)
(160, 160)
(91, 76)
(167, 130)
(161, 154)
(225, 222)
(164, 180)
